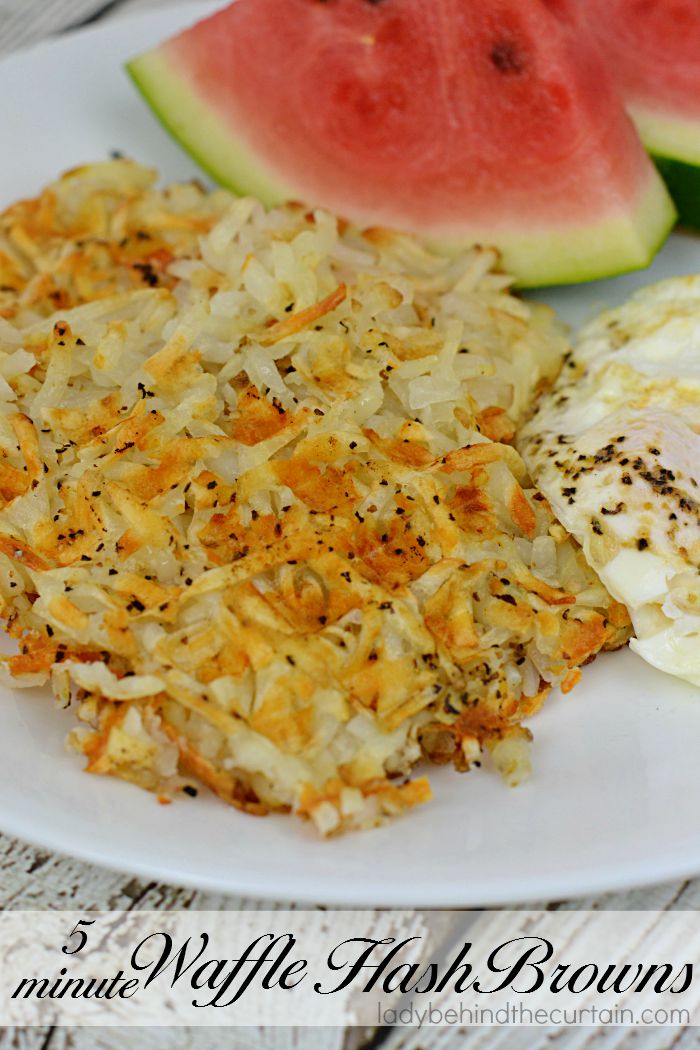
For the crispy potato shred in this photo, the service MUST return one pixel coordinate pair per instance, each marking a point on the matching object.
(261, 521)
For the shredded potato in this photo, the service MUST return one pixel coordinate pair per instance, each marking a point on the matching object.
(261, 520)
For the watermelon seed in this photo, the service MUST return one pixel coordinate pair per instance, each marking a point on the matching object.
(507, 58)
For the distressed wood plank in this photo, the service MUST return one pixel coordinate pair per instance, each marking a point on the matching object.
(24, 1038)
(195, 1039)
(32, 878)
(667, 1038)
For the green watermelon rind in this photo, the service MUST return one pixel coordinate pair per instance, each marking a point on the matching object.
(683, 182)
(576, 255)
(674, 146)
(537, 258)
(666, 135)
(193, 124)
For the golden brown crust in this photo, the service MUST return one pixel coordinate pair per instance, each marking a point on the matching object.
(248, 519)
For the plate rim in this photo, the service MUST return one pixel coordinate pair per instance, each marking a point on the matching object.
(626, 875)
(525, 890)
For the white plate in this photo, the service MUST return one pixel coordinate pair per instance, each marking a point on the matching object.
(613, 799)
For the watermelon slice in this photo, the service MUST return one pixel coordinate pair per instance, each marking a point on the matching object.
(653, 50)
(460, 122)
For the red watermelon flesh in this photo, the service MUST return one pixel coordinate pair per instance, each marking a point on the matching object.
(653, 50)
(348, 120)
(450, 119)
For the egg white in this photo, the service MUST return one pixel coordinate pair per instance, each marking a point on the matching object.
(615, 448)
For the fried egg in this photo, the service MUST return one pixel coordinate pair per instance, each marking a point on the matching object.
(615, 447)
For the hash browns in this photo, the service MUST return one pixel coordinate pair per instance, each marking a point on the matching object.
(261, 520)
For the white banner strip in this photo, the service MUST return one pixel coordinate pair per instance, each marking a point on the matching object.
(339, 968)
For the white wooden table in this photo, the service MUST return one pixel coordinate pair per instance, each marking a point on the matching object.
(34, 879)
